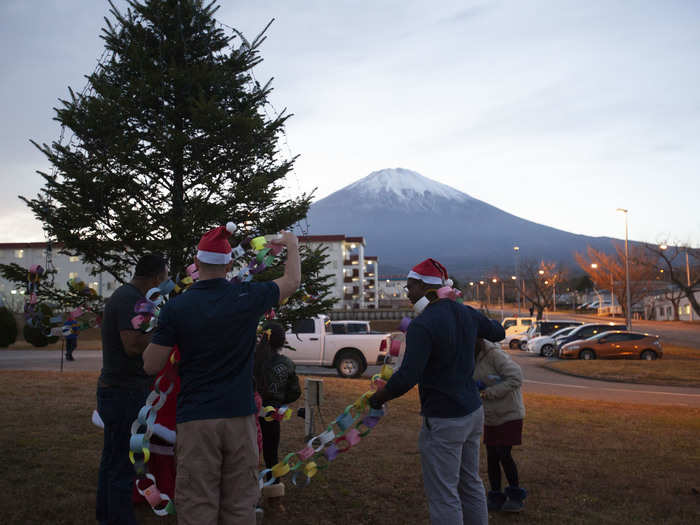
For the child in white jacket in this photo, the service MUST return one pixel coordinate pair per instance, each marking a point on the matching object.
(499, 378)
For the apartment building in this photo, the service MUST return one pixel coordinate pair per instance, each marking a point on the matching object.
(353, 274)
(392, 293)
(27, 254)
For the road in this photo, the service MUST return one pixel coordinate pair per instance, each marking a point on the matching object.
(537, 379)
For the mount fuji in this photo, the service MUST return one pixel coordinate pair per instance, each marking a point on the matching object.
(406, 217)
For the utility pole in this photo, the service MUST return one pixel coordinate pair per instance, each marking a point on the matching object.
(627, 273)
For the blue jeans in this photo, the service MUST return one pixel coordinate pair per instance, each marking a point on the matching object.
(118, 408)
(449, 449)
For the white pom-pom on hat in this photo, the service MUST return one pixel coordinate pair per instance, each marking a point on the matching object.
(231, 227)
(449, 282)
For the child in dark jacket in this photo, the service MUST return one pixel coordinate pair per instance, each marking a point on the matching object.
(276, 382)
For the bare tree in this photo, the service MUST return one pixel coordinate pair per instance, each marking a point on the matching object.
(607, 271)
(537, 281)
(682, 268)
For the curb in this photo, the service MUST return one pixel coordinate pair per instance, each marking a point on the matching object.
(609, 380)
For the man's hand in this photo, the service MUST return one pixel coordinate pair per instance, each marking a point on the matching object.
(378, 399)
(286, 239)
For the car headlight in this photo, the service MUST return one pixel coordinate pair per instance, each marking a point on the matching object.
(574, 347)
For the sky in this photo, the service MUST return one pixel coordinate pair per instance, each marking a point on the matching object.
(557, 111)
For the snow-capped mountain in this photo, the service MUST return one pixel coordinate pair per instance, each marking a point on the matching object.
(406, 217)
(399, 186)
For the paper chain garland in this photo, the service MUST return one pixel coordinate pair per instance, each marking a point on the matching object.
(139, 444)
(356, 422)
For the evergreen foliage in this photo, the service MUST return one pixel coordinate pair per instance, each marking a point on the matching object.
(170, 140)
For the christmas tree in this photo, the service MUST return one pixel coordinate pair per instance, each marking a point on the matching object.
(170, 139)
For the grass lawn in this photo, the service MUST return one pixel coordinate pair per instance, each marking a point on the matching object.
(679, 367)
(582, 461)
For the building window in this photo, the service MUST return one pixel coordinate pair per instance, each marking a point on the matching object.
(669, 311)
(72, 275)
(74, 258)
(19, 254)
(687, 309)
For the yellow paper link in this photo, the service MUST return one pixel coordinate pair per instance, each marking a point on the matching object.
(386, 372)
(363, 401)
(284, 301)
(258, 243)
(310, 469)
(280, 470)
(146, 455)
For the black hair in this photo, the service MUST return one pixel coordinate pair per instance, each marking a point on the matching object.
(271, 342)
(150, 265)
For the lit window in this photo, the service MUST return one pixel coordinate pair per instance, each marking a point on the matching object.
(73, 258)
(687, 309)
(19, 254)
(72, 275)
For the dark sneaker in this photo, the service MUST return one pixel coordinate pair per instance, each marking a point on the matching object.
(516, 496)
(495, 500)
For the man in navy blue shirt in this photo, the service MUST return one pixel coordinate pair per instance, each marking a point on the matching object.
(439, 357)
(214, 325)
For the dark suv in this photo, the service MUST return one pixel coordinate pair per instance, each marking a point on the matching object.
(588, 330)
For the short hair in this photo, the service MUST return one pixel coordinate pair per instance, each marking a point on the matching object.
(150, 265)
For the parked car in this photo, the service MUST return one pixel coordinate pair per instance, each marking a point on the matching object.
(546, 345)
(514, 341)
(541, 327)
(517, 325)
(615, 344)
(549, 327)
(314, 343)
(588, 330)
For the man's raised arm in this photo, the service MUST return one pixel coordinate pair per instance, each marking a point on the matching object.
(290, 281)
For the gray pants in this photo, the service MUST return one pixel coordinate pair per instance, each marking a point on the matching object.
(449, 449)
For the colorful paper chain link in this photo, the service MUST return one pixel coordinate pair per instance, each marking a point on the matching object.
(140, 441)
(356, 422)
(265, 257)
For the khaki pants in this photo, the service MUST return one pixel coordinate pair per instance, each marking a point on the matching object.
(217, 462)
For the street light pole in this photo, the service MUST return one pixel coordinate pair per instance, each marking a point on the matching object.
(516, 249)
(627, 273)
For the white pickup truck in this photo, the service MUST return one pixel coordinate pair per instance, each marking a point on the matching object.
(314, 343)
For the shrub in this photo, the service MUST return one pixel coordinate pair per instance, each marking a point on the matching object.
(8, 328)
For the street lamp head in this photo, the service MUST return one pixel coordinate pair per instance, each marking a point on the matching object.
(471, 283)
(622, 210)
(594, 265)
(541, 272)
(516, 248)
(546, 282)
(481, 282)
(494, 280)
(663, 247)
(513, 277)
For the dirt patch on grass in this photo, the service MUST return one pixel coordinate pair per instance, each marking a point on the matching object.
(582, 461)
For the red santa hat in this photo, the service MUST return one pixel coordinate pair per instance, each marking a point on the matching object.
(431, 272)
(213, 247)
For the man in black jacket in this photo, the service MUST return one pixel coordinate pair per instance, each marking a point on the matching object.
(439, 357)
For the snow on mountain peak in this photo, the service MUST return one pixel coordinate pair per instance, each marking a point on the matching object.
(406, 185)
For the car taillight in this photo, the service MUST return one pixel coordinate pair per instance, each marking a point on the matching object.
(382, 347)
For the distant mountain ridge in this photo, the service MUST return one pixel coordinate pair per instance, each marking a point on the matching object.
(406, 217)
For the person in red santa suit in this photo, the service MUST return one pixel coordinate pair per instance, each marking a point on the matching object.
(214, 327)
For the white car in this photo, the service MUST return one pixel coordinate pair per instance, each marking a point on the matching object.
(546, 345)
(515, 341)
